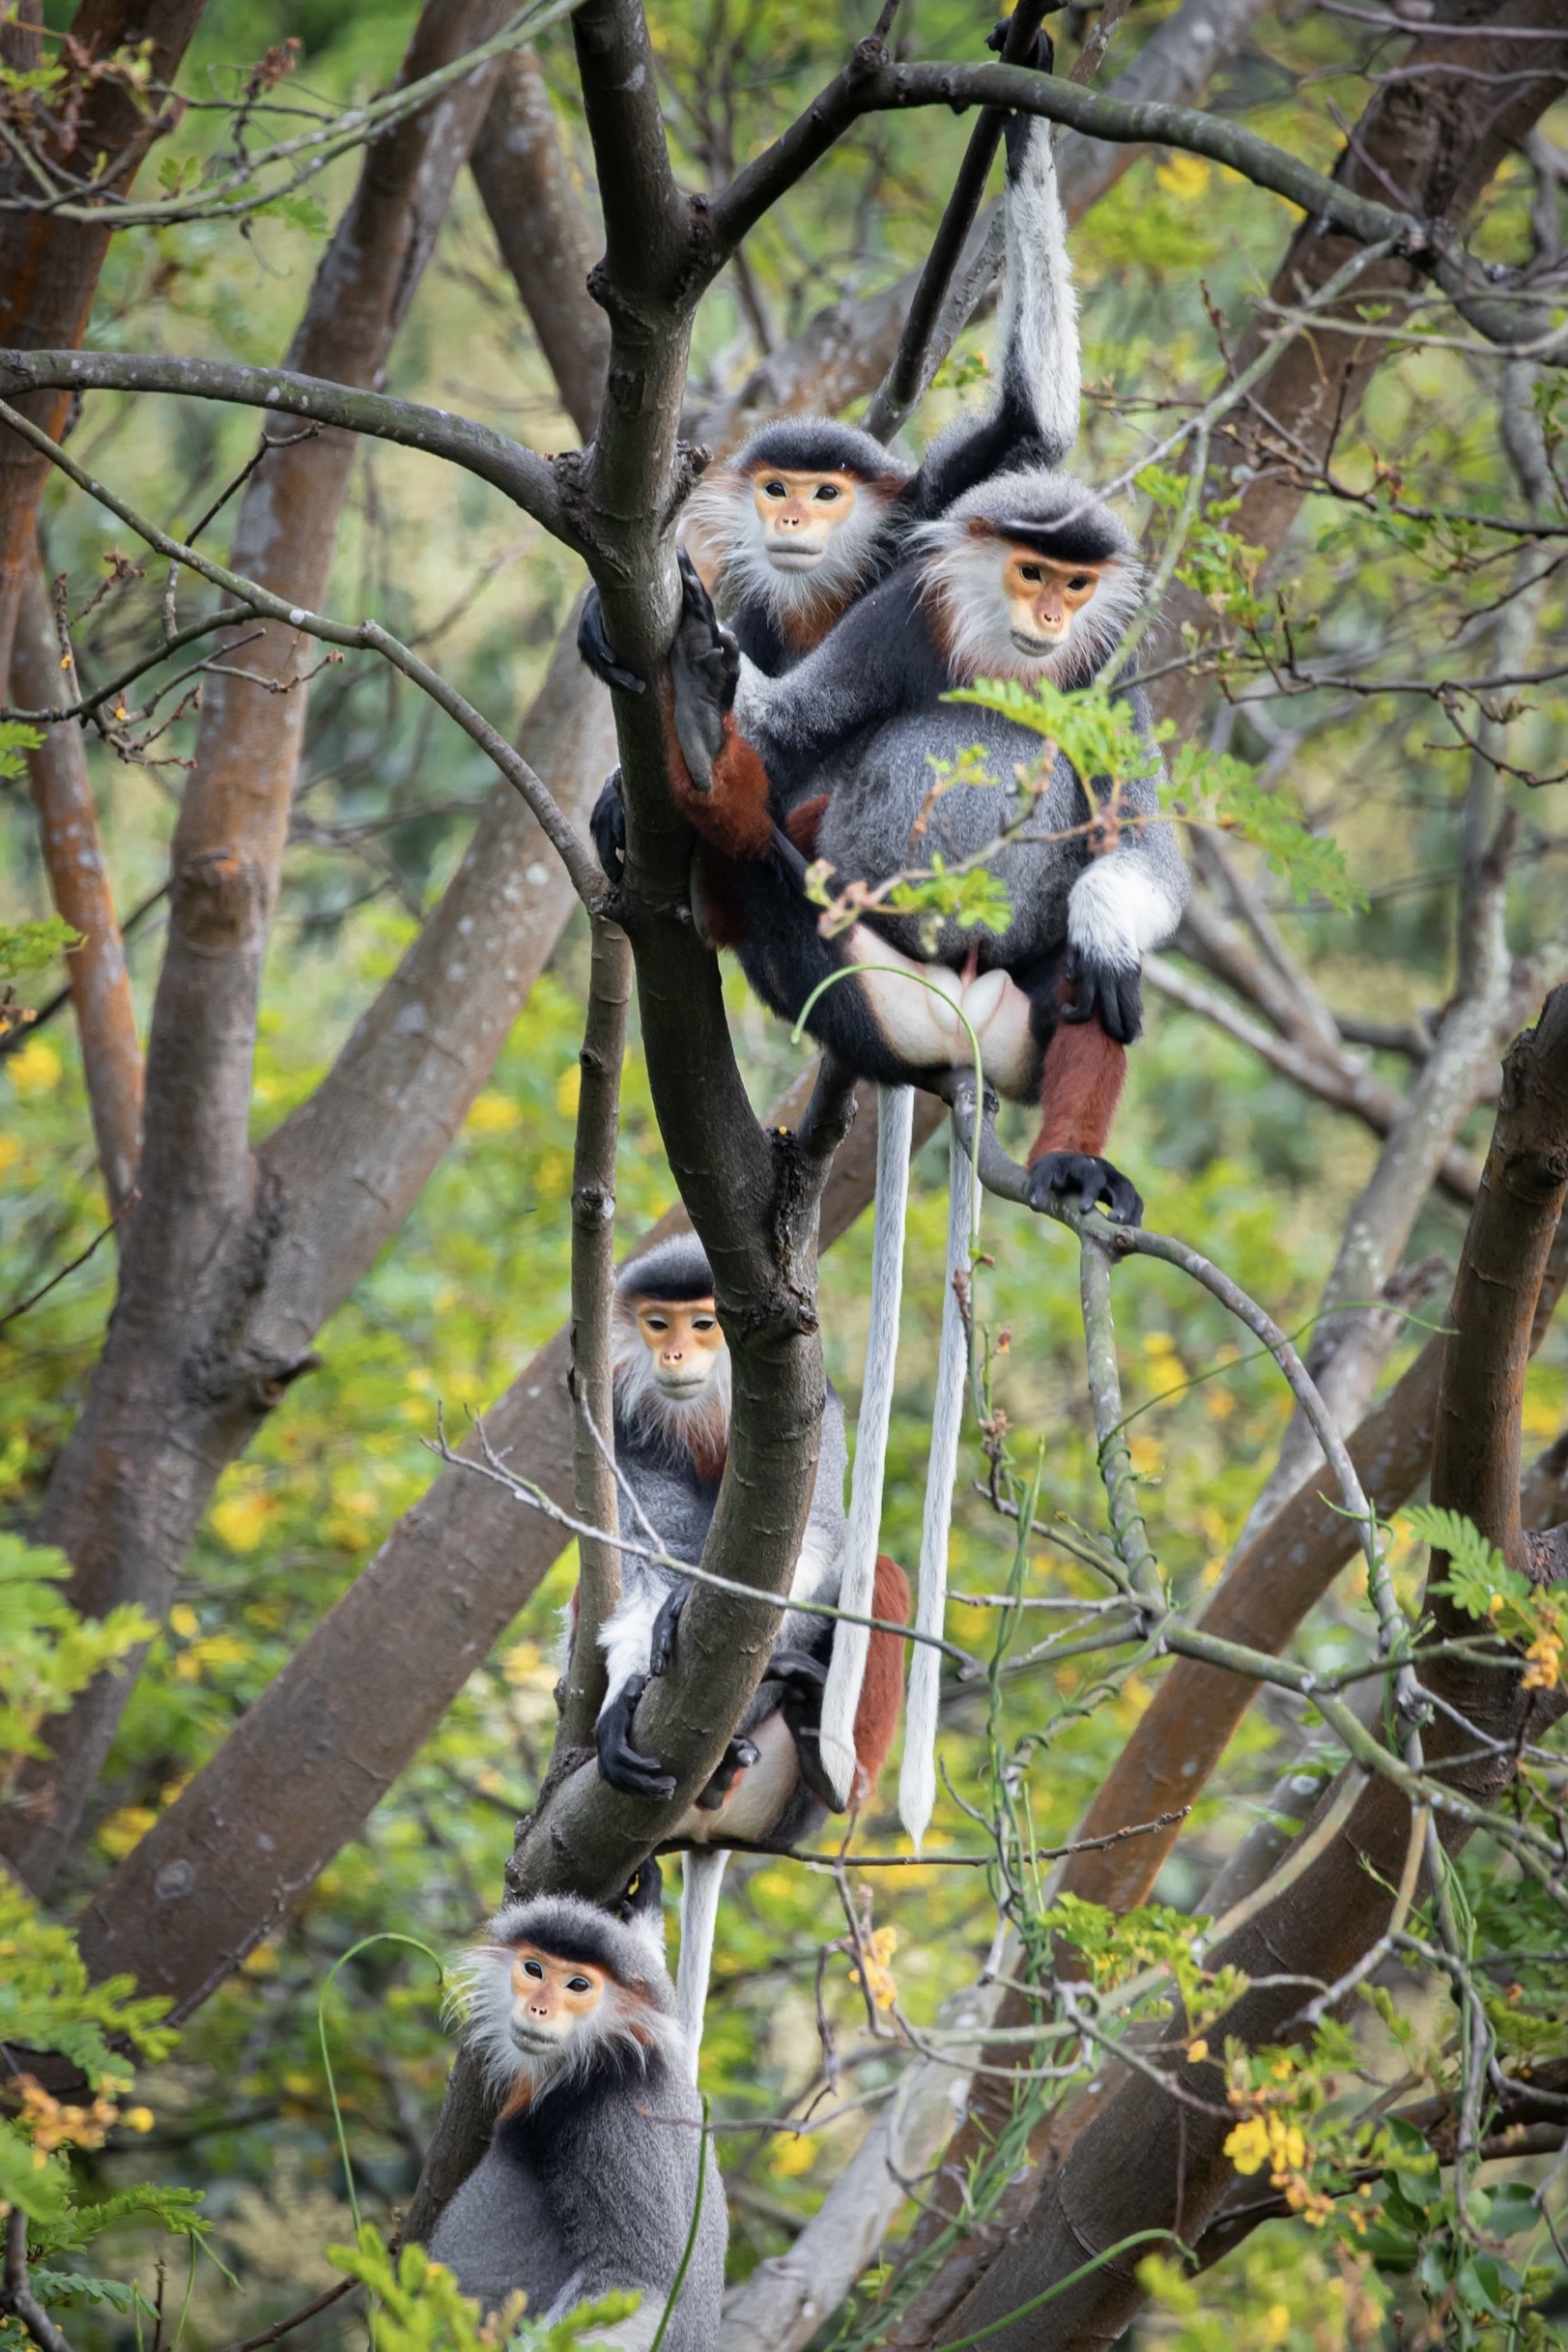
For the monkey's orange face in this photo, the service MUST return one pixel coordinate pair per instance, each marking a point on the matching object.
(799, 514)
(1045, 597)
(684, 1343)
(551, 1998)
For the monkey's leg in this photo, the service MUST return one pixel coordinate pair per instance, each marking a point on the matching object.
(1079, 1089)
(703, 1870)
(917, 1781)
(894, 1129)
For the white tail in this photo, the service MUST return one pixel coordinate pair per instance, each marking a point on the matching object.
(840, 1699)
(702, 1875)
(917, 1781)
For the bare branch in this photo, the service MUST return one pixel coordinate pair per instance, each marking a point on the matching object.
(526, 479)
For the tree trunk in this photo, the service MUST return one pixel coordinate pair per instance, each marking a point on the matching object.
(184, 1381)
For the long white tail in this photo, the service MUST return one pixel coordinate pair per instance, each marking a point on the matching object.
(917, 1781)
(840, 1700)
(702, 1875)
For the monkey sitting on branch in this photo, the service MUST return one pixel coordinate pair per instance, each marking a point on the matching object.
(671, 1424)
(593, 2178)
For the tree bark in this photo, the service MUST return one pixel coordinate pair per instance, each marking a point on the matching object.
(547, 238)
(49, 267)
(1141, 2160)
(185, 1378)
(80, 883)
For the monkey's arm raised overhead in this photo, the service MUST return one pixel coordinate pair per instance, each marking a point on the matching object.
(1034, 420)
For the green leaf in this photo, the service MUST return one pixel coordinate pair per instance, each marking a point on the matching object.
(1225, 792)
(27, 947)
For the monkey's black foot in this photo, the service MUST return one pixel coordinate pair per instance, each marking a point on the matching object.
(1111, 994)
(804, 1680)
(619, 1762)
(738, 1758)
(1084, 1183)
(594, 646)
(705, 670)
(643, 1899)
(608, 827)
(662, 1639)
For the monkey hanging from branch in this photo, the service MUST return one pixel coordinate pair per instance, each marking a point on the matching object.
(810, 514)
(671, 1430)
(1027, 576)
(592, 2180)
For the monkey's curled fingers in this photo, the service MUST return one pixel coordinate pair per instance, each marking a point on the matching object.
(1042, 57)
(738, 1758)
(1084, 1182)
(662, 1639)
(704, 669)
(619, 1762)
(1111, 994)
(608, 825)
(596, 650)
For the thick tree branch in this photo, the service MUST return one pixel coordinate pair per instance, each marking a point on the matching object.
(80, 883)
(48, 267)
(871, 84)
(526, 479)
(545, 238)
(179, 1386)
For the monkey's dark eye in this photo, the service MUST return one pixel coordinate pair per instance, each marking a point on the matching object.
(705, 1323)
(531, 1967)
(1080, 580)
(657, 1323)
(579, 1984)
(827, 491)
(774, 490)
(1030, 571)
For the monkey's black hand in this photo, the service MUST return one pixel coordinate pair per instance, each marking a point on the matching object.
(704, 669)
(608, 827)
(1084, 1183)
(738, 1758)
(1017, 126)
(594, 646)
(1111, 994)
(619, 1762)
(1042, 57)
(662, 1639)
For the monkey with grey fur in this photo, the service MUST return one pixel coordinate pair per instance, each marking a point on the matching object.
(590, 2181)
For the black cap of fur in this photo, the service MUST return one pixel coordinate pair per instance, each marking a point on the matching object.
(816, 445)
(572, 1929)
(1050, 512)
(677, 1269)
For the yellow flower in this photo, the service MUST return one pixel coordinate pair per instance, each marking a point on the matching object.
(35, 1069)
(1197, 2051)
(493, 1114)
(124, 1829)
(183, 1620)
(138, 2119)
(240, 1520)
(793, 2157)
(1247, 2146)
(880, 1947)
(1183, 176)
(1544, 1661)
